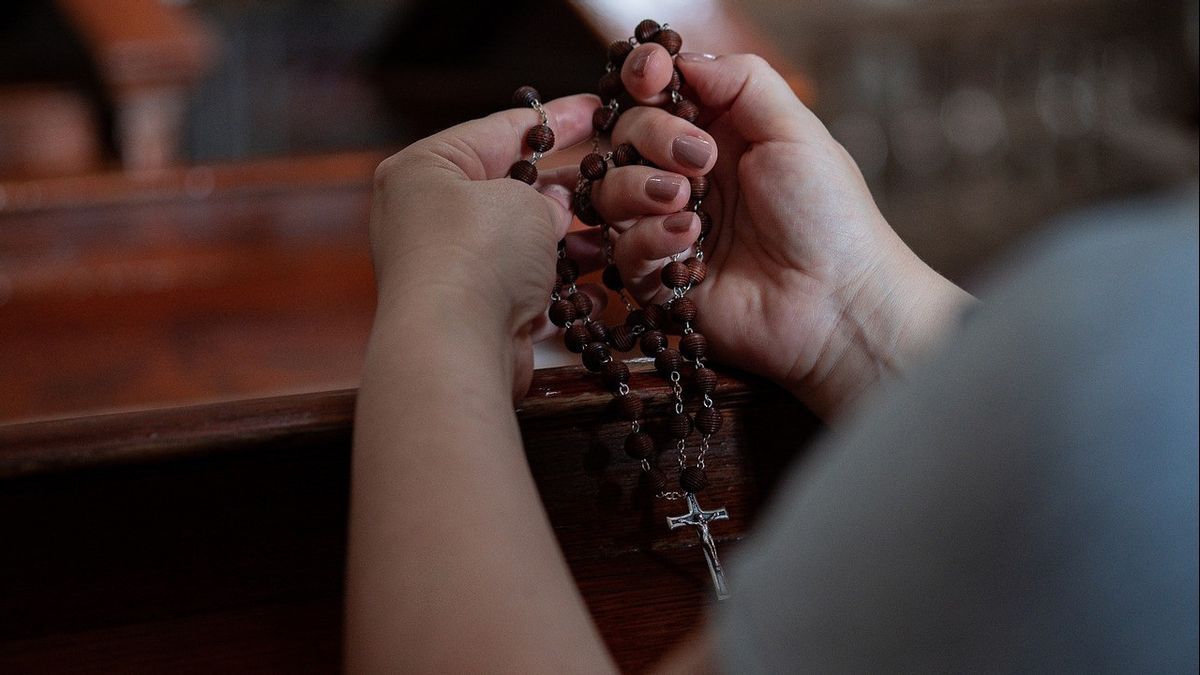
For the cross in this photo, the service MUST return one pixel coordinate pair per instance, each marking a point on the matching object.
(699, 518)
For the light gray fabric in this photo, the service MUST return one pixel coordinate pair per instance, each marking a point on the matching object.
(1027, 501)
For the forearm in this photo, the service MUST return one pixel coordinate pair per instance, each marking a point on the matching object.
(452, 564)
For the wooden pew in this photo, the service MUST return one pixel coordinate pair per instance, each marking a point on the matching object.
(211, 538)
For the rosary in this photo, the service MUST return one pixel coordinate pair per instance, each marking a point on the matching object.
(595, 341)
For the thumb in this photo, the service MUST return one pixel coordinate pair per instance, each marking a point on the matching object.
(760, 104)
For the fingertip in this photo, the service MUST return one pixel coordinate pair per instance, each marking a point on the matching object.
(647, 72)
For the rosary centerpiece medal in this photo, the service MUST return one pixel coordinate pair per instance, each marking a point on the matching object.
(644, 327)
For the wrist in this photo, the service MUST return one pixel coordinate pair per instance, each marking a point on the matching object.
(891, 318)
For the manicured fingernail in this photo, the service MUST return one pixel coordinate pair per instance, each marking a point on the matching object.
(638, 65)
(695, 57)
(692, 151)
(663, 188)
(678, 222)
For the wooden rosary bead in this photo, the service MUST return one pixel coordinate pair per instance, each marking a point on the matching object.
(593, 166)
(540, 138)
(705, 380)
(683, 309)
(635, 318)
(577, 337)
(562, 313)
(603, 119)
(667, 361)
(655, 316)
(653, 342)
(685, 109)
(524, 171)
(656, 480)
(610, 85)
(584, 211)
(670, 40)
(706, 222)
(630, 407)
(594, 356)
(646, 30)
(698, 268)
(699, 186)
(676, 82)
(693, 479)
(639, 445)
(617, 51)
(625, 155)
(525, 96)
(567, 270)
(693, 346)
(679, 425)
(598, 330)
(582, 304)
(675, 275)
(622, 338)
(612, 278)
(708, 421)
(614, 373)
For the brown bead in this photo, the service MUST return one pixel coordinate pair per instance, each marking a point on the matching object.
(603, 119)
(629, 406)
(675, 275)
(593, 166)
(705, 380)
(667, 361)
(584, 211)
(646, 30)
(598, 330)
(567, 270)
(635, 318)
(670, 40)
(693, 346)
(582, 303)
(676, 81)
(540, 138)
(685, 109)
(699, 186)
(625, 155)
(622, 338)
(639, 445)
(679, 425)
(610, 85)
(576, 338)
(614, 373)
(617, 51)
(524, 171)
(655, 316)
(693, 479)
(708, 421)
(706, 222)
(656, 480)
(653, 342)
(612, 278)
(524, 96)
(698, 268)
(594, 356)
(683, 309)
(562, 313)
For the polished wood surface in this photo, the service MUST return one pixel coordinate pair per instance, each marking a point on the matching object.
(213, 536)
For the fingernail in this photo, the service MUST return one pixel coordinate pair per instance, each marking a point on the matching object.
(678, 222)
(695, 57)
(638, 65)
(663, 188)
(692, 151)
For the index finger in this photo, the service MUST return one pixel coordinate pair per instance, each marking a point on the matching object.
(485, 148)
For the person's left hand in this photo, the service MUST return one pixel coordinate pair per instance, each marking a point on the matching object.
(455, 240)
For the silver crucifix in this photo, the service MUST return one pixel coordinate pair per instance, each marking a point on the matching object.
(699, 518)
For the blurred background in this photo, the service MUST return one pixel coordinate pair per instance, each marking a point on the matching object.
(184, 186)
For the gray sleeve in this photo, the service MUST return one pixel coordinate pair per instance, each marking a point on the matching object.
(1027, 501)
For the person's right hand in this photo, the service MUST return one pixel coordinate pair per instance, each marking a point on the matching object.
(808, 285)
